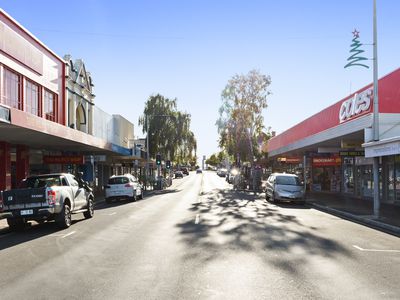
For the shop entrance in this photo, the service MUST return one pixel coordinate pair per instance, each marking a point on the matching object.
(393, 179)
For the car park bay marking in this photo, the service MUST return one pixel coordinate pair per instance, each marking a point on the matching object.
(68, 234)
(197, 220)
(376, 250)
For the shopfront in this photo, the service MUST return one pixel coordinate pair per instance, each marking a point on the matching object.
(334, 143)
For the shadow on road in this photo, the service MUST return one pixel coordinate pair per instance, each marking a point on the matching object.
(32, 231)
(234, 222)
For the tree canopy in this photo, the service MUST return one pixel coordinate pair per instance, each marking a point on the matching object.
(168, 130)
(240, 124)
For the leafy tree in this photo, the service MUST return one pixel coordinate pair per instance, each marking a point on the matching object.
(169, 130)
(241, 120)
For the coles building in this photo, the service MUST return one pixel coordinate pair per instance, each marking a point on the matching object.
(48, 120)
(335, 145)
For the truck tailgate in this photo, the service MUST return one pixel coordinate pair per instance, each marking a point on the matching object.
(22, 198)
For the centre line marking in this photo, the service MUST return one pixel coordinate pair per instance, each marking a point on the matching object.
(375, 250)
(68, 234)
(197, 220)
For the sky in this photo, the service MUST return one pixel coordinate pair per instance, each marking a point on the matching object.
(190, 49)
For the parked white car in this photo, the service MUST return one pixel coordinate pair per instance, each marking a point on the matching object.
(123, 187)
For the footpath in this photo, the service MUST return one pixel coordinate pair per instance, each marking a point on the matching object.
(356, 210)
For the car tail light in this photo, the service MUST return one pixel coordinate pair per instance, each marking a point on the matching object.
(51, 196)
(128, 185)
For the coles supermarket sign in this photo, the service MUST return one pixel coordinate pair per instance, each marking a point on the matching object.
(358, 105)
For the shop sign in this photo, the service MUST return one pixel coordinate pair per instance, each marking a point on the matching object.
(289, 160)
(356, 105)
(350, 144)
(64, 160)
(383, 150)
(326, 161)
(352, 153)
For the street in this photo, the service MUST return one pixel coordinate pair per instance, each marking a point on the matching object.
(200, 239)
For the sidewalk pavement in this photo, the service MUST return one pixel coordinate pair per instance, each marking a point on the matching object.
(358, 210)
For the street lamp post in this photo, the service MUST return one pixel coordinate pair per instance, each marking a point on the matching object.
(375, 114)
(148, 151)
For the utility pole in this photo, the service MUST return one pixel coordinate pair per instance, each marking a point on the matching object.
(375, 114)
(148, 151)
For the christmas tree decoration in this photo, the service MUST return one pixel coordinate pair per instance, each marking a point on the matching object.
(354, 59)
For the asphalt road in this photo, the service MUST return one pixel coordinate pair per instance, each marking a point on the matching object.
(201, 240)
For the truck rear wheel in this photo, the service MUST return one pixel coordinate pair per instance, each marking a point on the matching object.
(16, 223)
(64, 218)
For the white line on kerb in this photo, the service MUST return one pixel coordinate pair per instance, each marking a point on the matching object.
(376, 250)
(68, 234)
(197, 219)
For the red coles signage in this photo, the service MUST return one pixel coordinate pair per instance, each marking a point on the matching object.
(64, 160)
(326, 161)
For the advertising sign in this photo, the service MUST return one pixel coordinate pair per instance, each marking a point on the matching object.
(64, 160)
(326, 161)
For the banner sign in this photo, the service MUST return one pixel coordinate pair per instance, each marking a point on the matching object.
(64, 160)
(326, 161)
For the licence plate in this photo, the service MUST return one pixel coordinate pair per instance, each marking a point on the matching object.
(26, 212)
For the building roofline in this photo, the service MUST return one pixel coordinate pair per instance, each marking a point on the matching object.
(15, 22)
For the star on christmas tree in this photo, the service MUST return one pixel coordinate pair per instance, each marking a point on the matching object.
(355, 58)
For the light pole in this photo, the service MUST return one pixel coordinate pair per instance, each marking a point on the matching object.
(148, 151)
(375, 114)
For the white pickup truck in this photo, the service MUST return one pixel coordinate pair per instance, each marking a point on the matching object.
(47, 197)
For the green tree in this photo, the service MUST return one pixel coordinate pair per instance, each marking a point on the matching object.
(169, 130)
(241, 120)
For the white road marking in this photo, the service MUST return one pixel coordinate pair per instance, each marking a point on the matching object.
(111, 214)
(376, 250)
(68, 234)
(197, 221)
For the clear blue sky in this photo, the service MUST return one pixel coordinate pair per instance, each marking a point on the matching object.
(190, 49)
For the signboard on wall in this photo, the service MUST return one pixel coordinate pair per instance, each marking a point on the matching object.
(290, 160)
(64, 160)
(352, 153)
(326, 161)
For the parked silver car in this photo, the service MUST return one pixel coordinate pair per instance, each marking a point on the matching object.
(284, 187)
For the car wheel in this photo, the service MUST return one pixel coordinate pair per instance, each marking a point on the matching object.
(90, 209)
(16, 224)
(141, 196)
(64, 218)
(134, 197)
(273, 198)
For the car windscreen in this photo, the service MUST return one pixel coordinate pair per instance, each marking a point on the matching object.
(118, 180)
(38, 182)
(287, 180)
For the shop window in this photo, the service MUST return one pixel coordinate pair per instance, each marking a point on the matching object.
(32, 98)
(50, 106)
(11, 89)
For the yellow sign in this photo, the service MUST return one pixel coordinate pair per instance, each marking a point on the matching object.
(350, 144)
